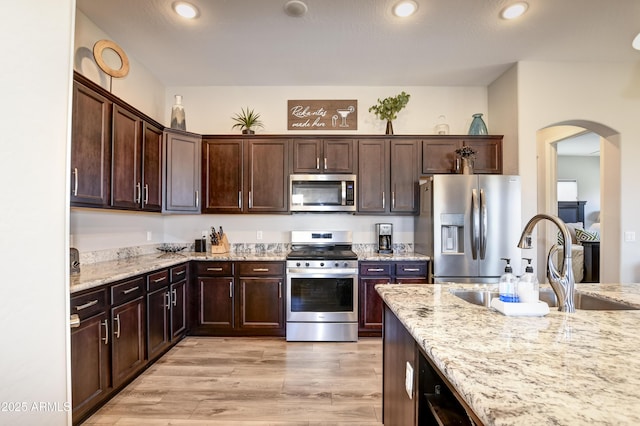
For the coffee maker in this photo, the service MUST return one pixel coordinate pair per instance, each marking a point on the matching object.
(384, 237)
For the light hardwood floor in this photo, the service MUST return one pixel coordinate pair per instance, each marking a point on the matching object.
(254, 381)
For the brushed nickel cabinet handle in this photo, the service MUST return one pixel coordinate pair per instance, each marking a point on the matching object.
(317, 163)
(117, 330)
(280, 290)
(214, 269)
(383, 200)
(325, 163)
(75, 181)
(239, 199)
(260, 269)
(197, 198)
(131, 290)
(146, 193)
(105, 339)
(393, 199)
(74, 321)
(375, 269)
(231, 289)
(250, 199)
(174, 297)
(411, 269)
(138, 195)
(182, 272)
(168, 296)
(159, 279)
(86, 305)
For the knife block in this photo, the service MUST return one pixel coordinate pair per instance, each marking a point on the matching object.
(222, 247)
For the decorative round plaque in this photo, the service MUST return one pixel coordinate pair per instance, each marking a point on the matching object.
(100, 47)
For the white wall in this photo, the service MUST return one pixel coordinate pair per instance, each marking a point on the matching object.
(140, 88)
(209, 109)
(35, 117)
(586, 171)
(605, 93)
(503, 110)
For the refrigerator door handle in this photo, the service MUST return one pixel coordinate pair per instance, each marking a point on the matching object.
(483, 224)
(475, 224)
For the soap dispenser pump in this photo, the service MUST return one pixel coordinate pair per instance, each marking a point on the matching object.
(508, 285)
(528, 287)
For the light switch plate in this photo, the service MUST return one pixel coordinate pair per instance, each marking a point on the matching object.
(630, 236)
(408, 380)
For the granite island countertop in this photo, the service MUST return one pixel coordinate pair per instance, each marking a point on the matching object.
(560, 369)
(101, 273)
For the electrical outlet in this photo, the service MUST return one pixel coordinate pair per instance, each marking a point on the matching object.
(149, 235)
(408, 380)
(629, 236)
(258, 235)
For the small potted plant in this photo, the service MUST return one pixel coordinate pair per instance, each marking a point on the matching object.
(466, 154)
(246, 120)
(388, 109)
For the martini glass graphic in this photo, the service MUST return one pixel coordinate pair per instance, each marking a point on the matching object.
(344, 113)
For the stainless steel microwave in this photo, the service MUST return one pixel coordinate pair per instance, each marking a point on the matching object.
(322, 193)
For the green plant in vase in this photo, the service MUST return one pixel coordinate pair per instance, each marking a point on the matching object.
(246, 120)
(388, 109)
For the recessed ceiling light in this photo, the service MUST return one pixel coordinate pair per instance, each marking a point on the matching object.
(405, 8)
(515, 10)
(186, 10)
(636, 42)
(295, 8)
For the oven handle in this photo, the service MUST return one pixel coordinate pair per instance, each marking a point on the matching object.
(322, 273)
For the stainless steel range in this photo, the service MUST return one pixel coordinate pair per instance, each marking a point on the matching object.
(322, 287)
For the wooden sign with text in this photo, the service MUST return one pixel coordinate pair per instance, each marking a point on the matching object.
(322, 115)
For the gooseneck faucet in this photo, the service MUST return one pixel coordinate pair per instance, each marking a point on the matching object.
(562, 282)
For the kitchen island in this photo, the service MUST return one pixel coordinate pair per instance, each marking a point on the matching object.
(561, 369)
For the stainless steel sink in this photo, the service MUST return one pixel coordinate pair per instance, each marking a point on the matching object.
(582, 301)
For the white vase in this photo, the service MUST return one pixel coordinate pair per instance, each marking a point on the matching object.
(177, 115)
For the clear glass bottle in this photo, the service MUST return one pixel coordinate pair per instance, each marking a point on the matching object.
(177, 115)
(442, 128)
(528, 286)
(508, 285)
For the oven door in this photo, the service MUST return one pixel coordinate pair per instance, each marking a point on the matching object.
(325, 296)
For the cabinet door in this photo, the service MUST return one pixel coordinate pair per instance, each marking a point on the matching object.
(128, 347)
(90, 364)
(404, 176)
(268, 176)
(222, 175)
(90, 148)
(488, 154)
(126, 186)
(178, 309)
(216, 302)
(261, 303)
(337, 156)
(439, 155)
(373, 176)
(307, 155)
(371, 305)
(152, 168)
(182, 181)
(158, 306)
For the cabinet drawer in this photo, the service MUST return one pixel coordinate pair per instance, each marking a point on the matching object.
(178, 273)
(126, 291)
(375, 268)
(260, 268)
(411, 269)
(218, 269)
(158, 280)
(89, 304)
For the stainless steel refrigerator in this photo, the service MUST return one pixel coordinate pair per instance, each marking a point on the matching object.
(467, 223)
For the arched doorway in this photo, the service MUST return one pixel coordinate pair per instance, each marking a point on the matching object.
(610, 195)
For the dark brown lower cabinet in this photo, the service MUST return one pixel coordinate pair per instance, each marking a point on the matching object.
(158, 322)
(178, 310)
(261, 303)
(128, 337)
(216, 310)
(90, 364)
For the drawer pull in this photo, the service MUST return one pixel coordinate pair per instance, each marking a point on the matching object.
(87, 305)
(180, 273)
(260, 269)
(214, 269)
(74, 321)
(411, 269)
(160, 279)
(375, 269)
(131, 290)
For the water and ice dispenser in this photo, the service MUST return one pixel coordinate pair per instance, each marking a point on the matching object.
(452, 233)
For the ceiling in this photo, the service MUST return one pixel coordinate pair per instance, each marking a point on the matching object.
(583, 145)
(359, 42)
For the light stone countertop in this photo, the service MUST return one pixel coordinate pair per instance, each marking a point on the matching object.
(560, 369)
(97, 274)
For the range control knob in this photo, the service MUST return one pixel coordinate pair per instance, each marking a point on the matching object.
(346, 264)
(297, 263)
(336, 264)
(321, 263)
(306, 264)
